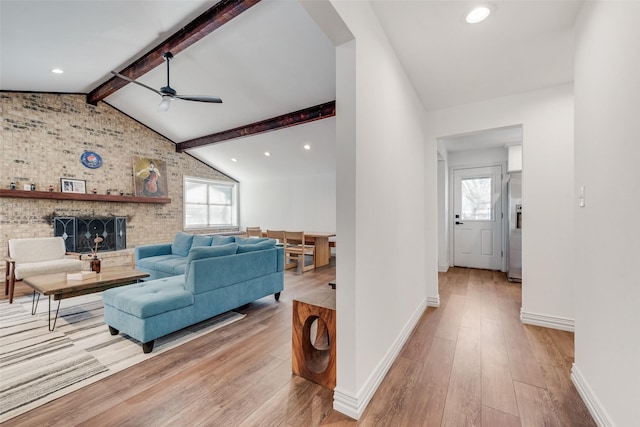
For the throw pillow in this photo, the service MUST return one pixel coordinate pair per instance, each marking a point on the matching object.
(202, 252)
(265, 244)
(181, 244)
(221, 240)
(201, 240)
(250, 240)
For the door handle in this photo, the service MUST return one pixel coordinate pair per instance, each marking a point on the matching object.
(458, 222)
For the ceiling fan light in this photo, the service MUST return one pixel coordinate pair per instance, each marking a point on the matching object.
(164, 105)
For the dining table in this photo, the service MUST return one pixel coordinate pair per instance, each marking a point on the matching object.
(319, 239)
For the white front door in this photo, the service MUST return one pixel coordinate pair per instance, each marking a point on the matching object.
(477, 217)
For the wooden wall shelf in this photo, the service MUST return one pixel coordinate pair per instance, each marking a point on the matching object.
(54, 195)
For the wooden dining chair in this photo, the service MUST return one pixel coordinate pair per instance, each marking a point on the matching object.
(280, 237)
(295, 249)
(254, 232)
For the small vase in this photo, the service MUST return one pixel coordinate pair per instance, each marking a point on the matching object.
(95, 265)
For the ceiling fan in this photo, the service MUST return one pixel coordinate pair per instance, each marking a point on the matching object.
(167, 93)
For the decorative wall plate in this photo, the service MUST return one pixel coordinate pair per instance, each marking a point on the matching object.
(91, 160)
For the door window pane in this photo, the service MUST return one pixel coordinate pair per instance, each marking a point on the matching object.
(476, 199)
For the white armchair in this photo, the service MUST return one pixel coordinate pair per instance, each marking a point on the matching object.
(35, 257)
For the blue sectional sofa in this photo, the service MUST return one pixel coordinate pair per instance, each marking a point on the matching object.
(215, 279)
(170, 259)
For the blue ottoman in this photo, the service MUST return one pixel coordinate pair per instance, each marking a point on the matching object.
(146, 311)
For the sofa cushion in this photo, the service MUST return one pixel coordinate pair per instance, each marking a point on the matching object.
(173, 266)
(149, 298)
(261, 246)
(210, 252)
(221, 240)
(250, 240)
(181, 244)
(30, 269)
(36, 249)
(201, 240)
(151, 262)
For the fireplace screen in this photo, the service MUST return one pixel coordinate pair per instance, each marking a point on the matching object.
(78, 233)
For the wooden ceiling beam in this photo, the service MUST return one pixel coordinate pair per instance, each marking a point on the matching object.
(216, 16)
(307, 115)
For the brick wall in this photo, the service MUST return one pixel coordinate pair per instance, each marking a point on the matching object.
(42, 139)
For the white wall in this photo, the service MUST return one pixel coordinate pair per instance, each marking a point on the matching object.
(607, 159)
(305, 203)
(547, 247)
(490, 156)
(381, 215)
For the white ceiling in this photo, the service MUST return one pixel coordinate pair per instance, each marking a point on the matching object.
(273, 59)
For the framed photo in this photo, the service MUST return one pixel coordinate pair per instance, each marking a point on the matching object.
(73, 185)
(150, 177)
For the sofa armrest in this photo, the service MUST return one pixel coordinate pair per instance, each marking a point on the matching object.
(74, 254)
(152, 250)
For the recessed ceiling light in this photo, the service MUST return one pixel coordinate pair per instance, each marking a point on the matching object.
(307, 147)
(478, 13)
(57, 71)
(266, 153)
(233, 159)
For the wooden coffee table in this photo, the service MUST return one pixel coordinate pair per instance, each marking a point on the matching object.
(59, 287)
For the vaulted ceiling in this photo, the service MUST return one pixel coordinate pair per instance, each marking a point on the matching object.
(273, 59)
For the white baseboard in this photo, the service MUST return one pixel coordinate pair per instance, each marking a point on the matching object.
(354, 406)
(433, 301)
(598, 413)
(546, 321)
(443, 268)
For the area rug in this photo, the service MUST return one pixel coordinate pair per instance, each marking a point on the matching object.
(38, 366)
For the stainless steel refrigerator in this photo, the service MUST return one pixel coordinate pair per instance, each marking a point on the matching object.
(514, 186)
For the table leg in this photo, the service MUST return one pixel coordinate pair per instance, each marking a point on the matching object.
(323, 252)
(34, 302)
(56, 318)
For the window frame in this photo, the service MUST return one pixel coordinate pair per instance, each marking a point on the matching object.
(210, 182)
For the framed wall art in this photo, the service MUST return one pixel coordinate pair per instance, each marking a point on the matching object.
(73, 185)
(150, 177)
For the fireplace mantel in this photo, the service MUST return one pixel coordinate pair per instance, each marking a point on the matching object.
(55, 195)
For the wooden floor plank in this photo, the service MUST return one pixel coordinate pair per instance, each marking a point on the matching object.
(464, 400)
(495, 418)
(390, 401)
(522, 361)
(536, 409)
(430, 390)
(497, 384)
(449, 325)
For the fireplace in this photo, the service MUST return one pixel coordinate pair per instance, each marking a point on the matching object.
(78, 233)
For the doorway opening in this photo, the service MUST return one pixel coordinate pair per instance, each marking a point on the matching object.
(474, 171)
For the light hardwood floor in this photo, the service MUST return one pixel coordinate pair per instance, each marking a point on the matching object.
(469, 362)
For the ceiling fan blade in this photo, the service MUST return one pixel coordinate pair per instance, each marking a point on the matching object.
(214, 99)
(123, 77)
